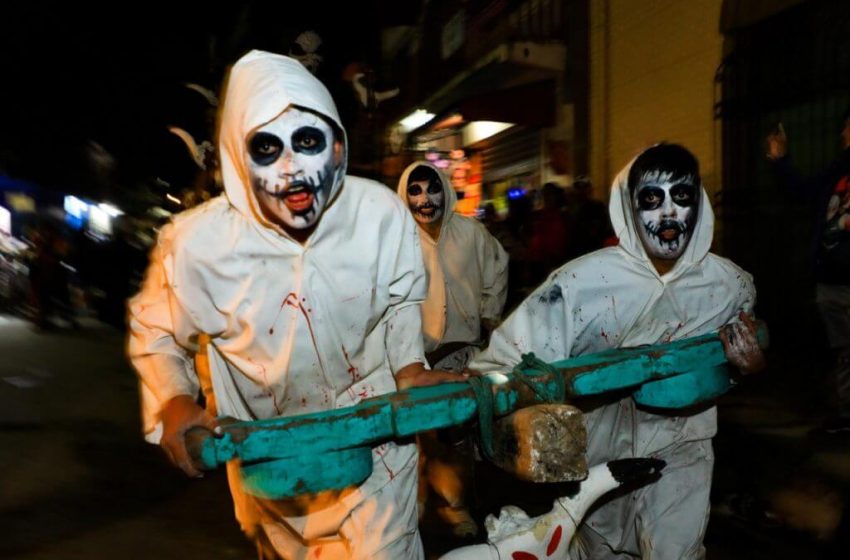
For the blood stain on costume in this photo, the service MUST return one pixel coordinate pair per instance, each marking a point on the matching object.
(263, 373)
(352, 371)
(381, 456)
(291, 300)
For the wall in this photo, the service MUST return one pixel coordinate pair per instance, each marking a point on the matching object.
(652, 73)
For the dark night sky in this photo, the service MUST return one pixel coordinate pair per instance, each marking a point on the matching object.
(114, 75)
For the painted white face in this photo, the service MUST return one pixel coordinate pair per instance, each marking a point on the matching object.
(291, 163)
(665, 210)
(426, 200)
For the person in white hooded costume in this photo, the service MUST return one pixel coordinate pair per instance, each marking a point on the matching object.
(659, 284)
(467, 273)
(298, 290)
(466, 268)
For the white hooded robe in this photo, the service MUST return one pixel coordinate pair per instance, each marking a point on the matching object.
(293, 329)
(615, 298)
(467, 271)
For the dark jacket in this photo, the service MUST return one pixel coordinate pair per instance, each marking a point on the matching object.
(830, 194)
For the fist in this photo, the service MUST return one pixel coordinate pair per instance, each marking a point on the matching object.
(741, 345)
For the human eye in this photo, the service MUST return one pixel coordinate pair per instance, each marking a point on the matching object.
(650, 198)
(264, 148)
(309, 140)
(683, 194)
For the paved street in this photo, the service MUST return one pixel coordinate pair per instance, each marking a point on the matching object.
(78, 481)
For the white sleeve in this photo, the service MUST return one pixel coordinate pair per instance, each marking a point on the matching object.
(748, 292)
(407, 286)
(494, 273)
(165, 369)
(541, 324)
(744, 298)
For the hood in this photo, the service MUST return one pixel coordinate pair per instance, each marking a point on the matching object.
(622, 218)
(449, 194)
(260, 87)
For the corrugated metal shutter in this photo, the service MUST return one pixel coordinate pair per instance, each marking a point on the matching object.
(513, 152)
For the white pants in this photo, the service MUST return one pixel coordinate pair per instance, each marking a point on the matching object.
(665, 519)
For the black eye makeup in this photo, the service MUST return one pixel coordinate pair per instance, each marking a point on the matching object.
(309, 140)
(684, 194)
(650, 198)
(414, 190)
(434, 188)
(265, 148)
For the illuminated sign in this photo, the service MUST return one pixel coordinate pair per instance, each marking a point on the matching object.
(5, 221)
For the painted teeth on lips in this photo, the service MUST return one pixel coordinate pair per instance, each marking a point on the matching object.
(669, 234)
(292, 190)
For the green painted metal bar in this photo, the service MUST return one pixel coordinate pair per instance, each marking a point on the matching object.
(283, 457)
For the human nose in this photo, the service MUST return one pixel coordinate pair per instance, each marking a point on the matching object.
(668, 209)
(287, 163)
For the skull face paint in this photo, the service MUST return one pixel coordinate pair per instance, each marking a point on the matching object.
(665, 209)
(292, 166)
(426, 200)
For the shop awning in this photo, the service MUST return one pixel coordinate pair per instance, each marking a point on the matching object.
(504, 92)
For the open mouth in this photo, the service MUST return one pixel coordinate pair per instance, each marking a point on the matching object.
(298, 198)
(668, 230)
(669, 234)
(427, 210)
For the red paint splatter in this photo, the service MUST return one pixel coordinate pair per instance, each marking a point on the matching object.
(318, 551)
(520, 555)
(554, 541)
(303, 401)
(352, 371)
(291, 300)
(286, 301)
(672, 334)
(604, 335)
(262, 370)
(381, 456)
